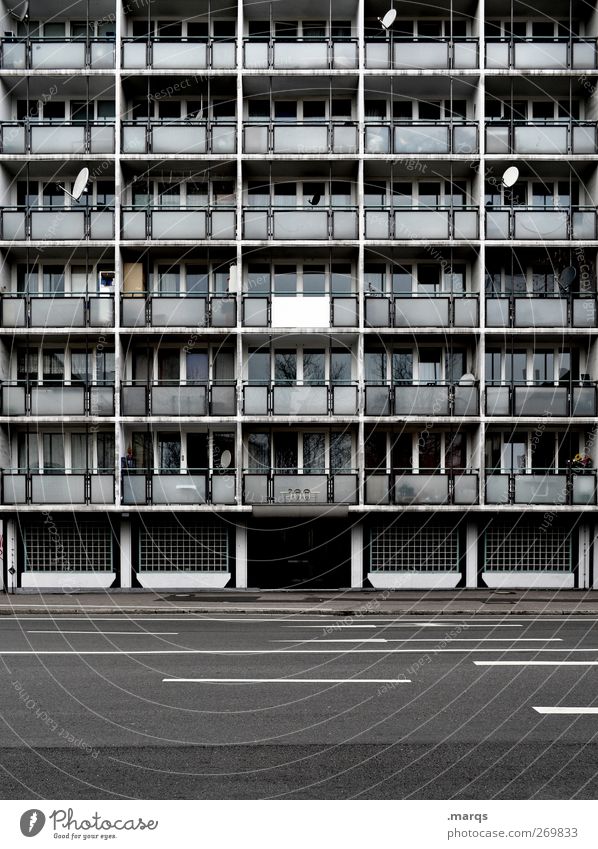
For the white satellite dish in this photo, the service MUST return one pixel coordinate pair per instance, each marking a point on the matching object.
(510, 177)
(20, 11)
(568, 276)
(79, 186)
(225, 459)
(389, 18)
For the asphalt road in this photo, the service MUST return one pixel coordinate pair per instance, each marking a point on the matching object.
(251, 706)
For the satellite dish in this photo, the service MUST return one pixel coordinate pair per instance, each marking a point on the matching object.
(510, 177)
(567, 276)
(315, 200)
(389, 18)
(225, 459)
(20, 11)
(80, 184)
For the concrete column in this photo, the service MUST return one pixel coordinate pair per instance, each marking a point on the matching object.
(584, 557)
(126, 554)
(241, 555)
(357, 565)
(10, 542)
(471, 555)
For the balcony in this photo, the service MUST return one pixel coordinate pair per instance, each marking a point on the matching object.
(57, 311)
(300, 489)
(405, 223)
(178, 223)
(541, 487)
(47, 54)
(285, 400)
(72, 488)
(140, 400)
(300, 224)
(66, 224)
(285, 54)
(405, 487)
(437, 311)
(20, 398)
(182, 137)
(405, 54)
(552, 54)
(138, 310)
(23, 137)
(545, 311)
(541, 400)
(167, 487)
(178, 54)
(292, 311)
(306, 138)
(421, 399)
(576, 137)
(441, 137)
(543, 223)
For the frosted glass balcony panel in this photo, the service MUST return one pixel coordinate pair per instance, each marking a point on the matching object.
(133, 312)
(541, 225)
(377, 401)
(179, 54)
(13, 225)
(223, 489)
(377, 139)
(584, 139)
(344, 55)
(57, 312)
(134, 139)
(179, 401)
(134, 224)
(178, 139)
(497, 312)
(421, 400)
(301, 139)
(13, 56)
(540, 489)
(255, 489)
(102, 55)
(101, 401)
(291, 54)
(223, 224)
(584, 312)
(497, 139)
(14, 312)
(466, 489)
(255, 401)
(178, 489)
(344, 400)
(13, 400)
(256, 139)
(377, 224)
(413, 224)
(377, 312)
(300, 400)
(224, 55)
(465, 55)
(256, 54)
(344, 225)
(101, 224)
(57, 401)
(101, 312)
(308, 224)
(13, 139)
(255, 312)
(541, 54)
(300, 489)
(584, 54)
(497, 55)
(465, 139)
(102, 139)
(223, 312)
(224, 139)
(497, 401)
(584, 401)
(421, 489)
(135, 55)
(466, 312)
(344, 312)
(101, 489)
(344, 489)
(14, 489)
(134, 401)
(133, 489)
(223, 401)
(466, 401)
(583, 489)
(58, 489)
(540, 312)
(429, 139)
(540, 401)
(421, 54)
(58, 225)
(541, 139)
(178, 312)
(583, 225)
(377, 489)
(57, 55)
(377, 55)
(497, 489)
(465, 224)
(498, 225)
(179, 224)
(422, 312)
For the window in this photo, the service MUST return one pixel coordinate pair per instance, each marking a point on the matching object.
(258, 366)
(168, 366)
(285, 194)
(285, 452)
(375, 452)
(375, 367)
(26, 279)
(402, 279)
(285, 367)
(314, 452)
(258, 447)
(314, 368)
(169, 453)
(53, 279)
(428, 278)
(53, 448)
(53, 365)
(340, 367)
(340, 452)
(402, 367)
(197, 366)
(285, 280)
(169, 279)
(314, 280)
(402, 452)
(81, 453)
(27, 452)
(197, 280)
(258, 279)
(105, 445)
(197, 452)
(27, 365)
(430, 365)
(340, 278)
(80, 367)
(105, 366)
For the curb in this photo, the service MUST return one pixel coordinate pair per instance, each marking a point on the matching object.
(319, 611)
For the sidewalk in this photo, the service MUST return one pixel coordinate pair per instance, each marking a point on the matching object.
(332, 603)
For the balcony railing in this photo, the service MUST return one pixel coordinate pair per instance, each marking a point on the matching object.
(309, 137)
(541, 400)
(184, 137)
(153, 310)
(422, 399)
(421, 54)
(406, 487)
(544, 311)
(42, 54)
(56, 224)
(65, 138)
(415, 137)
(294, 54)
(23, 398)
(533, 222)
(448, 310)
(300, 224)
(167, 486)
(300, 489)
(541, 486)
(178, 223)
(422, 223)
(192, 399)
(575, 137)
(541, 53)
(292, 311)
(188, 54)
(283, 400)
(57, 310)
(77, 487)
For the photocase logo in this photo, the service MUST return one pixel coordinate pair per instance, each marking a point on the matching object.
(32, 822)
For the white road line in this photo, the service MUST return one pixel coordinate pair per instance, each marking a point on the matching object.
(536, 662)
(288, 680)
(324, 620)
(119, 633)
(571, 711)
(432, 639)
(270, 651)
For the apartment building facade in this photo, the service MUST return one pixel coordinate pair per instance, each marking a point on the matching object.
(298, 331)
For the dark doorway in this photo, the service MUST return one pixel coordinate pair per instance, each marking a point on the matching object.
(302, 555)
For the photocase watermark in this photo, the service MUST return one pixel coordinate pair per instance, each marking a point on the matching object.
(423, 660)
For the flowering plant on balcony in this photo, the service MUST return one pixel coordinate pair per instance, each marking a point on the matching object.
(581, 462)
